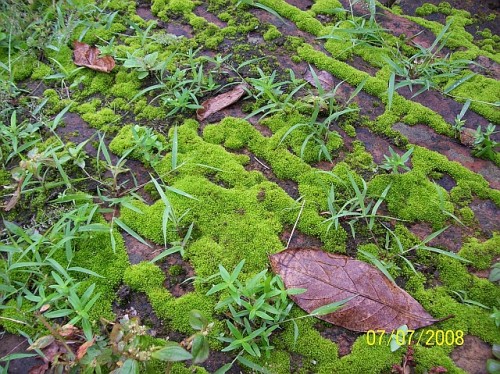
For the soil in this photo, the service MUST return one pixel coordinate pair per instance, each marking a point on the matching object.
(472, 355)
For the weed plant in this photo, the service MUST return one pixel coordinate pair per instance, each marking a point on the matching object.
(426, 68)
(318, 130)
(394, 162)
(484, 145)
(258, 307)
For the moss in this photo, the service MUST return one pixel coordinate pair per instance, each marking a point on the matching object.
(303, 20)
(315, 349)
(325, 6)
(426, 9)
(272, 33)
(427, 358)
(180, 368)
(41, 71)
(412, 197)
(438, 302)
(15, 318)
(127, 85)
(102, 119)
(144, 277)
(359, 158)
(175, 270)
(124, 141)
(467, 216)
(481, 254)
(366, 358)
(22, 67)
(181, 6)
(482, 89)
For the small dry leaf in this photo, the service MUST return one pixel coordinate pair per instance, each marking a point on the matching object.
(85, 55)
(324, 78)
(39, 369)
(467, 137)
(41, 343)
(83, 348)
(68, 331)
(44, 308)
(15, 196)
(376, 302)
(219, 102)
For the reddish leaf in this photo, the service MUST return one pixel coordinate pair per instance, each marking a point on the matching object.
(376, 304)
(85, 55)
(325, 79)
(219, 102)
(83, 348)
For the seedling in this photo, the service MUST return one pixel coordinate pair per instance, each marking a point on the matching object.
(394, 162)
(459, 123)
(483, 144)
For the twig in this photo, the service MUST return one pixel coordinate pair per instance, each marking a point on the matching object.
(295, 224)
(260, 162)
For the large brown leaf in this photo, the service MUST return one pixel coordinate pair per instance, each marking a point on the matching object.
(376, 302)
(85, 55)
(219, 102)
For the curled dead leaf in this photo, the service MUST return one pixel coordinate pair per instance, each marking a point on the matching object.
(68, 331)
(376, 302)
(83, 348)
(467, 137)
(219, 102)
(85, 55)
(41, 343)
(15, 196)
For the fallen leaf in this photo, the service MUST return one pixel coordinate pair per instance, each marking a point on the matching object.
(83, 348)
(15, 196)
(219, 102)
(41, 343)
(85, 55)
(53, 351)
(39, 369)
(376, 302)
(69, 331)
(325, 80)
(467, 137)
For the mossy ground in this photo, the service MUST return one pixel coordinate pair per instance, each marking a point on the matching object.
(239, 213)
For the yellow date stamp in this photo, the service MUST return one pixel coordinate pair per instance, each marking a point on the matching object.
(407, 337)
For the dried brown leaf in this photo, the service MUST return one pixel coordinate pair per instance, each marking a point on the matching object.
(39, 369)
(83, 348)
(467, 137)
(15, 196)
(219, 102)
(376, 302)
(324, 78)
(68, 331)
(53, 351)
(85, 55)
